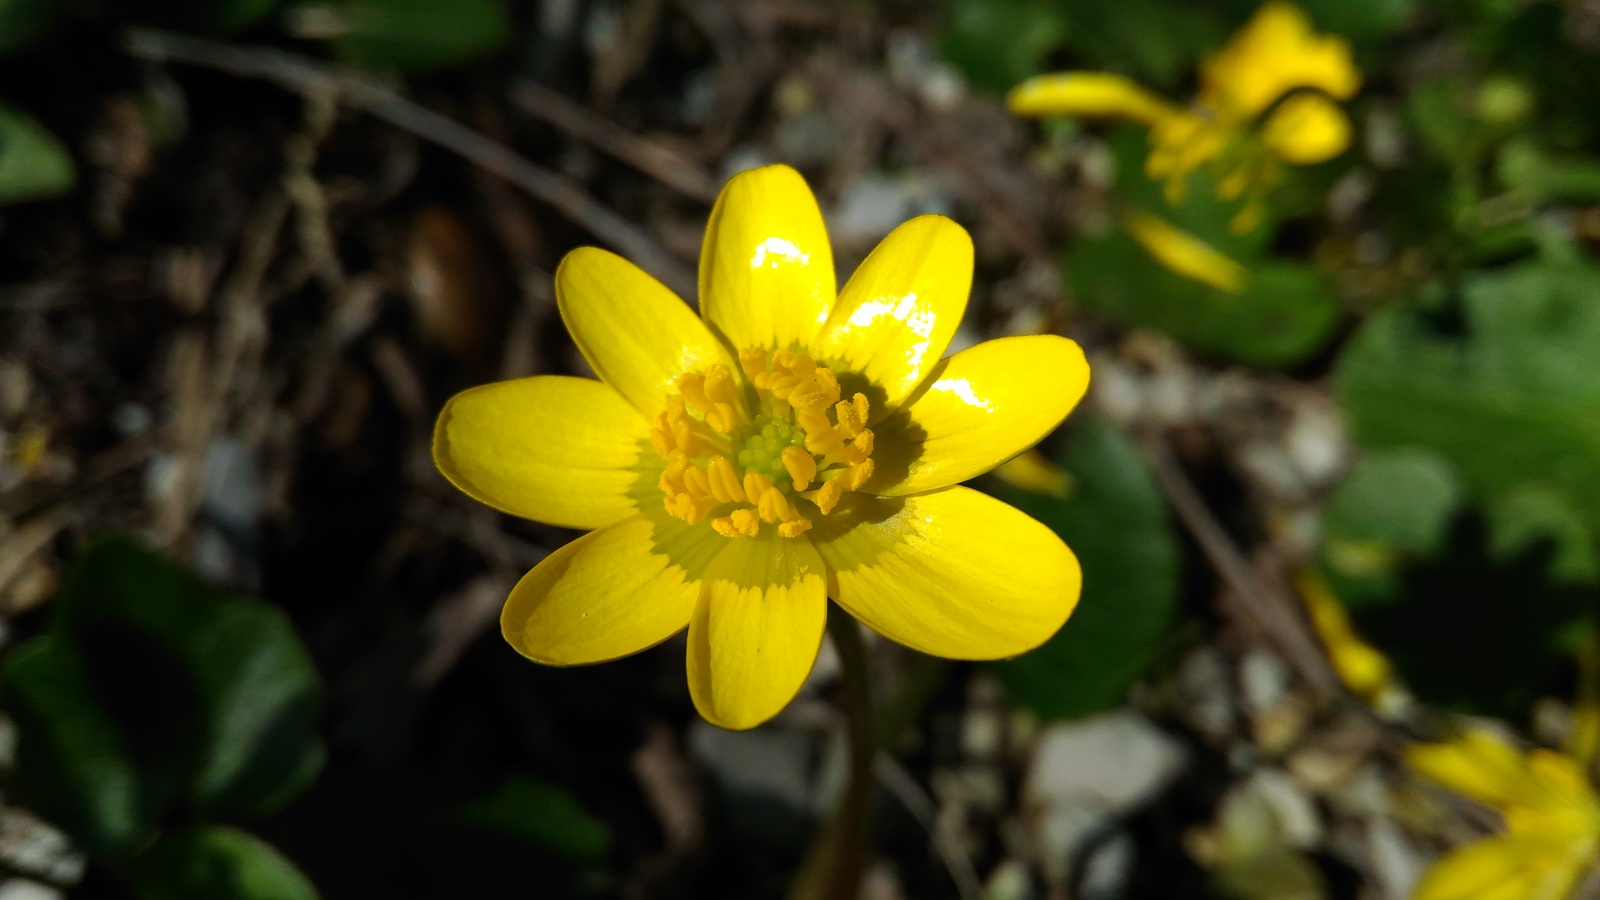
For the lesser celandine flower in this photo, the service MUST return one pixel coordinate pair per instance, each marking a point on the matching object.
(1552, 820)
(1266, 99)
(788, 445)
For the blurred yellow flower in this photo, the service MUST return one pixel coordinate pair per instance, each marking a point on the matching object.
(1552, 820)
(794, 444)
(1184, 253)
(1265, 100)
(1365, 671)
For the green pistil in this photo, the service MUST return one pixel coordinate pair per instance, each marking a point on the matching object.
(763, 449)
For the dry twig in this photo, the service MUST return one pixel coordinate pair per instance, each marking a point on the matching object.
(313, 79)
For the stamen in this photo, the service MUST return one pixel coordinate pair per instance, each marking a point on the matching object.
(744, 472)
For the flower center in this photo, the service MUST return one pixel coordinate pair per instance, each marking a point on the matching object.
(769, 451)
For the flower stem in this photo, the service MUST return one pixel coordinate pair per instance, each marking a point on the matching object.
(832, 867)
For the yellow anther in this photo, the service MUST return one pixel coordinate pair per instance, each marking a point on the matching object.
(801, 465)
(739, 523)
(774, 507)
(719, 385)
(852, 414)
(861, 447)
(755, 484)
(794, 527)
(724, 479)
(829, 384)
(753, 361)
(860, 473)
(696, 482)
(693, 389)
(722, 418)
(827, 496)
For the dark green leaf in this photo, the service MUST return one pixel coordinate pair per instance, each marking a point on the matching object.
(1512, 402)
(216, 863)
(999, 43)
(71, 765)
(34, 165)
(218, 684)
(542, 814)
(417, 34)
(1116, 521)
(24, 21)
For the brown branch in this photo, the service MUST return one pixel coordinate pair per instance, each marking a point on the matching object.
(1269, 609)
(313, 79)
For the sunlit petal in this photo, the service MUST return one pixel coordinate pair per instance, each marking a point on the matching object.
(1184, 253)
(1277, 51)
(897, 314)
(1087, 94)
(550, 448)
(606, 595)
(756, 629)
(766, 267)
(637, 334)
(954, 573)
(1307, 129)
(977, 409)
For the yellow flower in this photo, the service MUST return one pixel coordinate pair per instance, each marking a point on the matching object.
(791, 444)
(1264, 100)
(1184, 253)
(1552, 820)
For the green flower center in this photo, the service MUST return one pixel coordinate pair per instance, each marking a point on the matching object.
(763, 449)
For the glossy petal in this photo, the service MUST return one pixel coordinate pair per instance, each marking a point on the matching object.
(1506, 867)
(977, 409)
(550, 448)
(757, 629)
(897, 314)
(1479, 764)
(1087, 94)
(1184, 253)
(606, 595)
(1307, 129)
(638, 336)
(1277, 51)
(766, 268)
(954, 573)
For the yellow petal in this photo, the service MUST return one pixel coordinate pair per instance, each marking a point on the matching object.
(1478, 764)
(954, 573)
(1086, 94)
(897, 314)
(550, 448)
(1306, 129)
(766, 268)
(1276, 52)
(757, 629)
(977, 409)
(1506, 867)
(1184, 253)
(606, 595)
(638, 336)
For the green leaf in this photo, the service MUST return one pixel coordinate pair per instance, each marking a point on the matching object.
(414, 35)
(1117, 523)
(1366, 19)
(34, 165)
(218, 685)
(1284, 314)
(1155, 41)
(1522, 166)
(72, 766)
(1512, 401)
(1000, 43)
(1399, 499)
(544, 815)
(216, 863)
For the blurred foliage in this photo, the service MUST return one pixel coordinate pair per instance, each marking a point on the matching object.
(215, 861)
(34, 164)
(544, 815)
(1116, 521)
(154, 698)
(411, 34)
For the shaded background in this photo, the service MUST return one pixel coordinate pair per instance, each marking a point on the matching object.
(243, 262)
